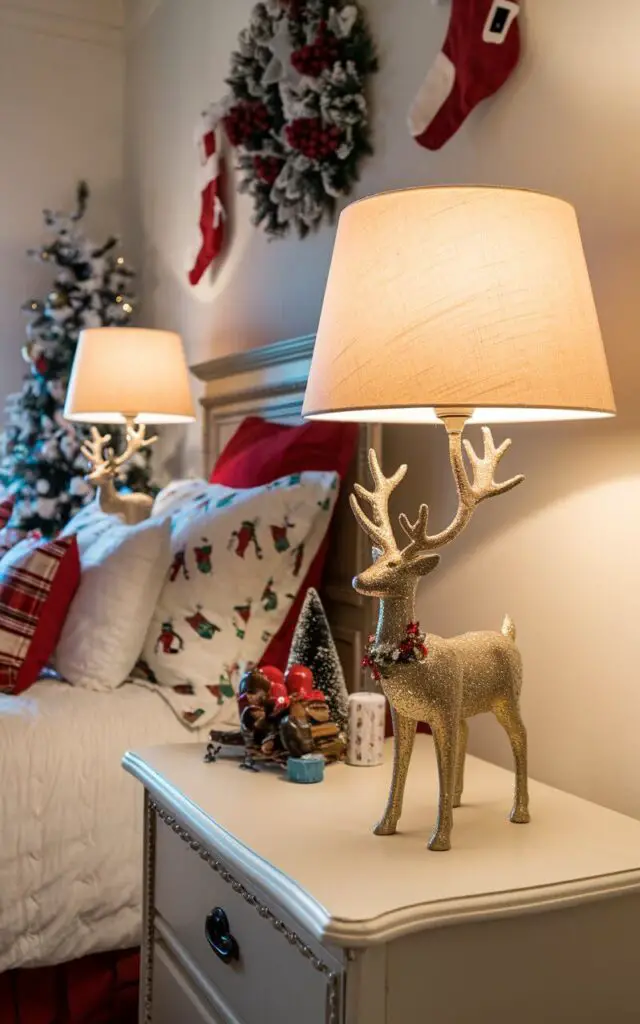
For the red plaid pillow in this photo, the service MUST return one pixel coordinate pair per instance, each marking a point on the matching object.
(6, 508)
(37, 583)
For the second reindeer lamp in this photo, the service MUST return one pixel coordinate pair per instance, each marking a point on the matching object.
(129, 375)
(451, 305)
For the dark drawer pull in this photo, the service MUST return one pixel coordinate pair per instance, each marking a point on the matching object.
(219, 937)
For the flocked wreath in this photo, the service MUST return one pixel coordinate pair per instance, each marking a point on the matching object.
(297, 111)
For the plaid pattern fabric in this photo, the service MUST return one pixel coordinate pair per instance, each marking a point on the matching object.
(6, 508)
(27, 575)
(12, 535)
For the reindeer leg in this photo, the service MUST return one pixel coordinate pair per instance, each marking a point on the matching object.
(508, 714)
(444, 736)
(404, 733)
(461, 751)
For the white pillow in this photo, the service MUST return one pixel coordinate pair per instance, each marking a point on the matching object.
(122, 572)
(239, 557)
(90, 523)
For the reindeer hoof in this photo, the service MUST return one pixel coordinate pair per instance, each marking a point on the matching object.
(520, 816)
(384, 828)
(457, 800)
(439, 842)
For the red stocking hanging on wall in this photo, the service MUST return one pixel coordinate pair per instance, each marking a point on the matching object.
(479, 53)
(212, 213)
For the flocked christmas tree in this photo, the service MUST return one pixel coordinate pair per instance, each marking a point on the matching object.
(314, 646)
(41, 462)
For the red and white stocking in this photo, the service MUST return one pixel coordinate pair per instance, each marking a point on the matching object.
(480, 52)
(212, 214)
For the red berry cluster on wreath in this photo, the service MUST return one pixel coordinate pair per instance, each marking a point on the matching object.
(413, 643)
(267, 168)
(369, 660)
(312, 138)
(314, 58)
(245, 120)
(379, 658)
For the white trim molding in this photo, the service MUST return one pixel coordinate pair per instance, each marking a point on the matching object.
(100, 22)
(274, 354)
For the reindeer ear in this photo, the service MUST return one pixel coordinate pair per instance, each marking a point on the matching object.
(424, 564)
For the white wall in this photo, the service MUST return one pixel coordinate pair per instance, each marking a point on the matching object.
(562, 553)
(61, 96)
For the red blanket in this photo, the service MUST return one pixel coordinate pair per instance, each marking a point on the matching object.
(100, 989)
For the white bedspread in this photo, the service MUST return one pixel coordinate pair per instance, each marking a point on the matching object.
(71, 819)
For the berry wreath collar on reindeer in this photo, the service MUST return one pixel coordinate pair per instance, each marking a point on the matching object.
(379, 658)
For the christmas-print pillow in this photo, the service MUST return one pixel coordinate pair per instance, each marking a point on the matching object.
(238, 559)
(172, 497)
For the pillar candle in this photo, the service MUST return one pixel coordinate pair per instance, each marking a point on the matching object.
(366, 729)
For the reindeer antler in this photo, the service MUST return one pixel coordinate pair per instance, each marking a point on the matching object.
(484, 486)
(136, 441)
(92, 451)
(470, 493)
(378, 527)
(104, 461)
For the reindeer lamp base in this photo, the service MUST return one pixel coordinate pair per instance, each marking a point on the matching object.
(132, 508)
(436, 680)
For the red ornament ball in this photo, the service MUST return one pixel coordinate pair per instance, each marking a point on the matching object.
(279, 697)
(273, 674)
(299, 679)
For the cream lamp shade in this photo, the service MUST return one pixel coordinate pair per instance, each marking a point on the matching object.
(121, 373)
(458, 298)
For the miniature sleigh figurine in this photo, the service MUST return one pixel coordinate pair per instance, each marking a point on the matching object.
(431, 679)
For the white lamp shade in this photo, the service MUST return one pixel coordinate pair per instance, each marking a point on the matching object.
(120, 372)
(458, 298)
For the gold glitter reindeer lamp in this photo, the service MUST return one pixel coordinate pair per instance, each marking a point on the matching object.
(451, 305)
(129, 375)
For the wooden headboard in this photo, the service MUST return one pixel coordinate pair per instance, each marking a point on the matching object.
(270, 382)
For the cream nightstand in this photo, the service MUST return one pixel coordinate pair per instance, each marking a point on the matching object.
(271, 903)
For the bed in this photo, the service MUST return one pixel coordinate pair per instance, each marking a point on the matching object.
(70, 872)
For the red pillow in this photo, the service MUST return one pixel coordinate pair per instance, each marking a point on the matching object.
(260, 452)
(37, 583)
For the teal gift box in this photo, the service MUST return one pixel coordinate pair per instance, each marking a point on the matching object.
(305, 769)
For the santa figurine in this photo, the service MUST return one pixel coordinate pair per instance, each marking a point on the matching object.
(262, 699)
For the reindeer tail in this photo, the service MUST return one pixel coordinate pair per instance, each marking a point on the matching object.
(508, 628)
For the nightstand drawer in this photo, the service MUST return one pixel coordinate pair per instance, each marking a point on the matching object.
(262, 969)
(174, 998)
